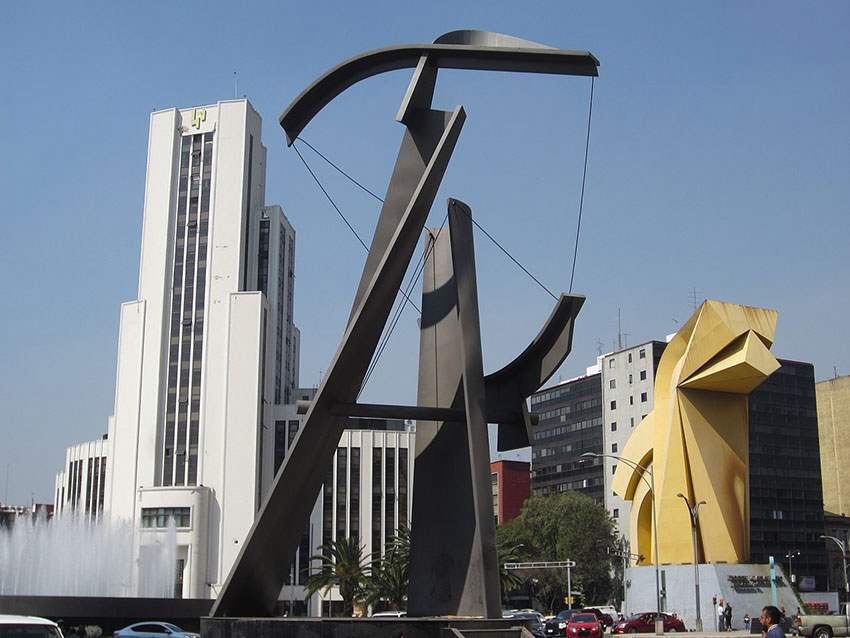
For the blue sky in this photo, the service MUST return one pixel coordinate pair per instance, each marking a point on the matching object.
(718, 163)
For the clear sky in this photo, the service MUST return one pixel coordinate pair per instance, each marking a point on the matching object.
(718, 168)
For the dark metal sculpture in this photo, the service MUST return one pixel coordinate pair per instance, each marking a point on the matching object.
(453, 561)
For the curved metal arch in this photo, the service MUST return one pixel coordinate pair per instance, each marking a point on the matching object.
(456, 50)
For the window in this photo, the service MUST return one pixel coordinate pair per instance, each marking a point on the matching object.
(612, 383)
(632, 421)
(611, 363)
(643, 397)
(631, 400)
(613, 426)
(613, 469)
(630, 357)
(158, 517)
(613, 405)
(642, 353)
(643, 375)
(630, 379)
(613, 447)
(615, 513)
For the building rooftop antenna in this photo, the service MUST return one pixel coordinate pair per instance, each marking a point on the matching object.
(235, 88)
(695, 297)
(621, 334)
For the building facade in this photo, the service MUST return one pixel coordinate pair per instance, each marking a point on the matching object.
(511, 481)
(81, 486)
(786, 498)
(833, 405)
(628, 381)
(207, 347)
(570, 424)
(366, 495)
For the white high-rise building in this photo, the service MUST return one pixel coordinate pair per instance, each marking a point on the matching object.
(209, 345)
(628, 383)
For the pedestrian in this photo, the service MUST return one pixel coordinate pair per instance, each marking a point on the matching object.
(727, 617)
(770, 627)
(747, 623)
(720, 617)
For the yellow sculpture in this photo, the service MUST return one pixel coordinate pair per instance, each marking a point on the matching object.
(696, 439)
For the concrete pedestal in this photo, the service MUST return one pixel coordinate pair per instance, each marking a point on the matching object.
(745, 587)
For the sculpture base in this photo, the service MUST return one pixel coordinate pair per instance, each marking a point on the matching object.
(356, 627)
(745, 587)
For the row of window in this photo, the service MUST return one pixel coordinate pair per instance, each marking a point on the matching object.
(612, 362)
(570, 427)
(612, 383)
(159, 517)
(644, 397)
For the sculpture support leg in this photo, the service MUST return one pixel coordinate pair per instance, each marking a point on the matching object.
(454, 568)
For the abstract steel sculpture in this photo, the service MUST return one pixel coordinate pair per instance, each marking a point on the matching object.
(696, 438)
(453, 561)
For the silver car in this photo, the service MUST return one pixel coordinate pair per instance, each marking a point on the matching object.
(154, 630)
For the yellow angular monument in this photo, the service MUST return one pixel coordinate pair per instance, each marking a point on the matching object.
(696, 439)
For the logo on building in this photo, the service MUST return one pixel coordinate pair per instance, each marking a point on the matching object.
(198, 116)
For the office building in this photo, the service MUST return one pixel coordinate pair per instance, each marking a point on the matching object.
(366, 495)
(81, 487)
(511, 481)
(833, 405)
(786, 499)
(208, 346)
(628, 383)
(570, 424)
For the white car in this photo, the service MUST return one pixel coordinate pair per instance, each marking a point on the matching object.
(28, 627)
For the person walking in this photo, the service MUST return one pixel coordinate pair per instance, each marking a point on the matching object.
(747, 623)
(727, 617)
(720, 617)
(770, 627)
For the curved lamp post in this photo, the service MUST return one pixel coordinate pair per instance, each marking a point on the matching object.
(659, 623)
(694, 510)
(843, 549)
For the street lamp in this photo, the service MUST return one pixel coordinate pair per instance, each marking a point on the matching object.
(694, 520)
(659, 622)
(790, 556)
(843, 549)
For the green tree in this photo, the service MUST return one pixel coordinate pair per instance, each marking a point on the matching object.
(390, 574)
(565, 526)
(343, 564)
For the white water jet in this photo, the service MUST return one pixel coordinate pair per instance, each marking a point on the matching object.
(72, 556)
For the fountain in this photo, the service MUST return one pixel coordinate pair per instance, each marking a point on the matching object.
(73, 556)
(85, 572)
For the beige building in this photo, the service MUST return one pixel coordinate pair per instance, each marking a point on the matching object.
(833, 398)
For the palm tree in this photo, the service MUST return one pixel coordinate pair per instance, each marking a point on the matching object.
(390, 575)
(343, 564)
(508, 578)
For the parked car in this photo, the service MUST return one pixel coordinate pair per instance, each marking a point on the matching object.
(536, 626)
(584, 625)
(558, 625)
(645, 623)
(154, 630)
(29, 626)
(606, 619)
(836, 624)
(611, 611)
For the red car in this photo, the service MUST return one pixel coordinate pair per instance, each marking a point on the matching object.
(584, 625)
(645, 624)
